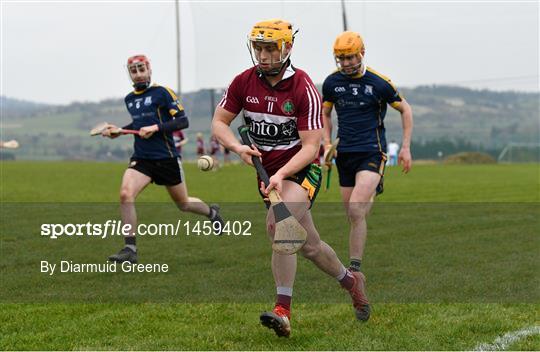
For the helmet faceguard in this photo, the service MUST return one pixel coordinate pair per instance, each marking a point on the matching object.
(349, 44)
(139, 64)
(274, 31)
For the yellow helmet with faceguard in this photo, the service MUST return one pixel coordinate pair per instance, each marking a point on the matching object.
(275, 31)
(349, 44)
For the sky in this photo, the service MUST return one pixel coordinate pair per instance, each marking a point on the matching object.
(60, 52)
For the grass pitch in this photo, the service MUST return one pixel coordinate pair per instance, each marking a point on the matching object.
(452, 262)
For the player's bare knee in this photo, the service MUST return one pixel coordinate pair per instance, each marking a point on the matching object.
(126, 196)
(357, 214)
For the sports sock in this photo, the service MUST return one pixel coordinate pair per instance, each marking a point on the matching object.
(212, 213)
(130, 243)
(284, 297)
(342, 273)
(355, 264)
(346, 279)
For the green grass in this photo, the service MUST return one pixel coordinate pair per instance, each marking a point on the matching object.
(235, 327)
(452, 261)
(99, 182)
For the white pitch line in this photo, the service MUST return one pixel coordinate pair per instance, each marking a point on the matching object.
(503, 342)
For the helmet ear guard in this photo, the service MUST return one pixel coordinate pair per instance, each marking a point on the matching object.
(277, 31)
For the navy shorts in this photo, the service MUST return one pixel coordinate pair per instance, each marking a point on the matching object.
(350, 163)
(163, 172)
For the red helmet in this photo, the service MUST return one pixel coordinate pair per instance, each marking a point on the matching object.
(136, 59)
(134, 62)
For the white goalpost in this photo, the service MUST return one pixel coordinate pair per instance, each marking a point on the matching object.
(515, 152)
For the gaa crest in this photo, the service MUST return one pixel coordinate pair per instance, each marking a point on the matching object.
(287, 107)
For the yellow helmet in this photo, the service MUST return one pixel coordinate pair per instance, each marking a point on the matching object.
(349, 43)
(275, 31)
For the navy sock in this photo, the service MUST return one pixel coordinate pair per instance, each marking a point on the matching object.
(355, 264)
(130, 241)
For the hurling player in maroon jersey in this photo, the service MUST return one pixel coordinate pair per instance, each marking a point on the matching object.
(283, 109)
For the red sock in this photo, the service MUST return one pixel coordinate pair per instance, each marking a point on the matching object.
(348, 281)
(284, 301)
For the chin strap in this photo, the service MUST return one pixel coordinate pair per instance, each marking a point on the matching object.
(360, 70)
(141, 85)
(275, 71)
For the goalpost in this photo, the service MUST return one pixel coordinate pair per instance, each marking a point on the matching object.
(519, 153)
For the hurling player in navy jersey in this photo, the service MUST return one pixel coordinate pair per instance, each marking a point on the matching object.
(156, 113)
(281, 105)
(360, 96)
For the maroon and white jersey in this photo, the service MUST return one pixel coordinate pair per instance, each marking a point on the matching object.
(275, 114)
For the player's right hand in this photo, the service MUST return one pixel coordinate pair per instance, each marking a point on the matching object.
(111, 131)
(245, 152)
(405, 159)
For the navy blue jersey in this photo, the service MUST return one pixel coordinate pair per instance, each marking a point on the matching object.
(360, 103)
(155, 105)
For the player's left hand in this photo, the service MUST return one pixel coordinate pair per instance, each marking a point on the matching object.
(326, 157)
(148, 131)
(405, 159)
(276, 182)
